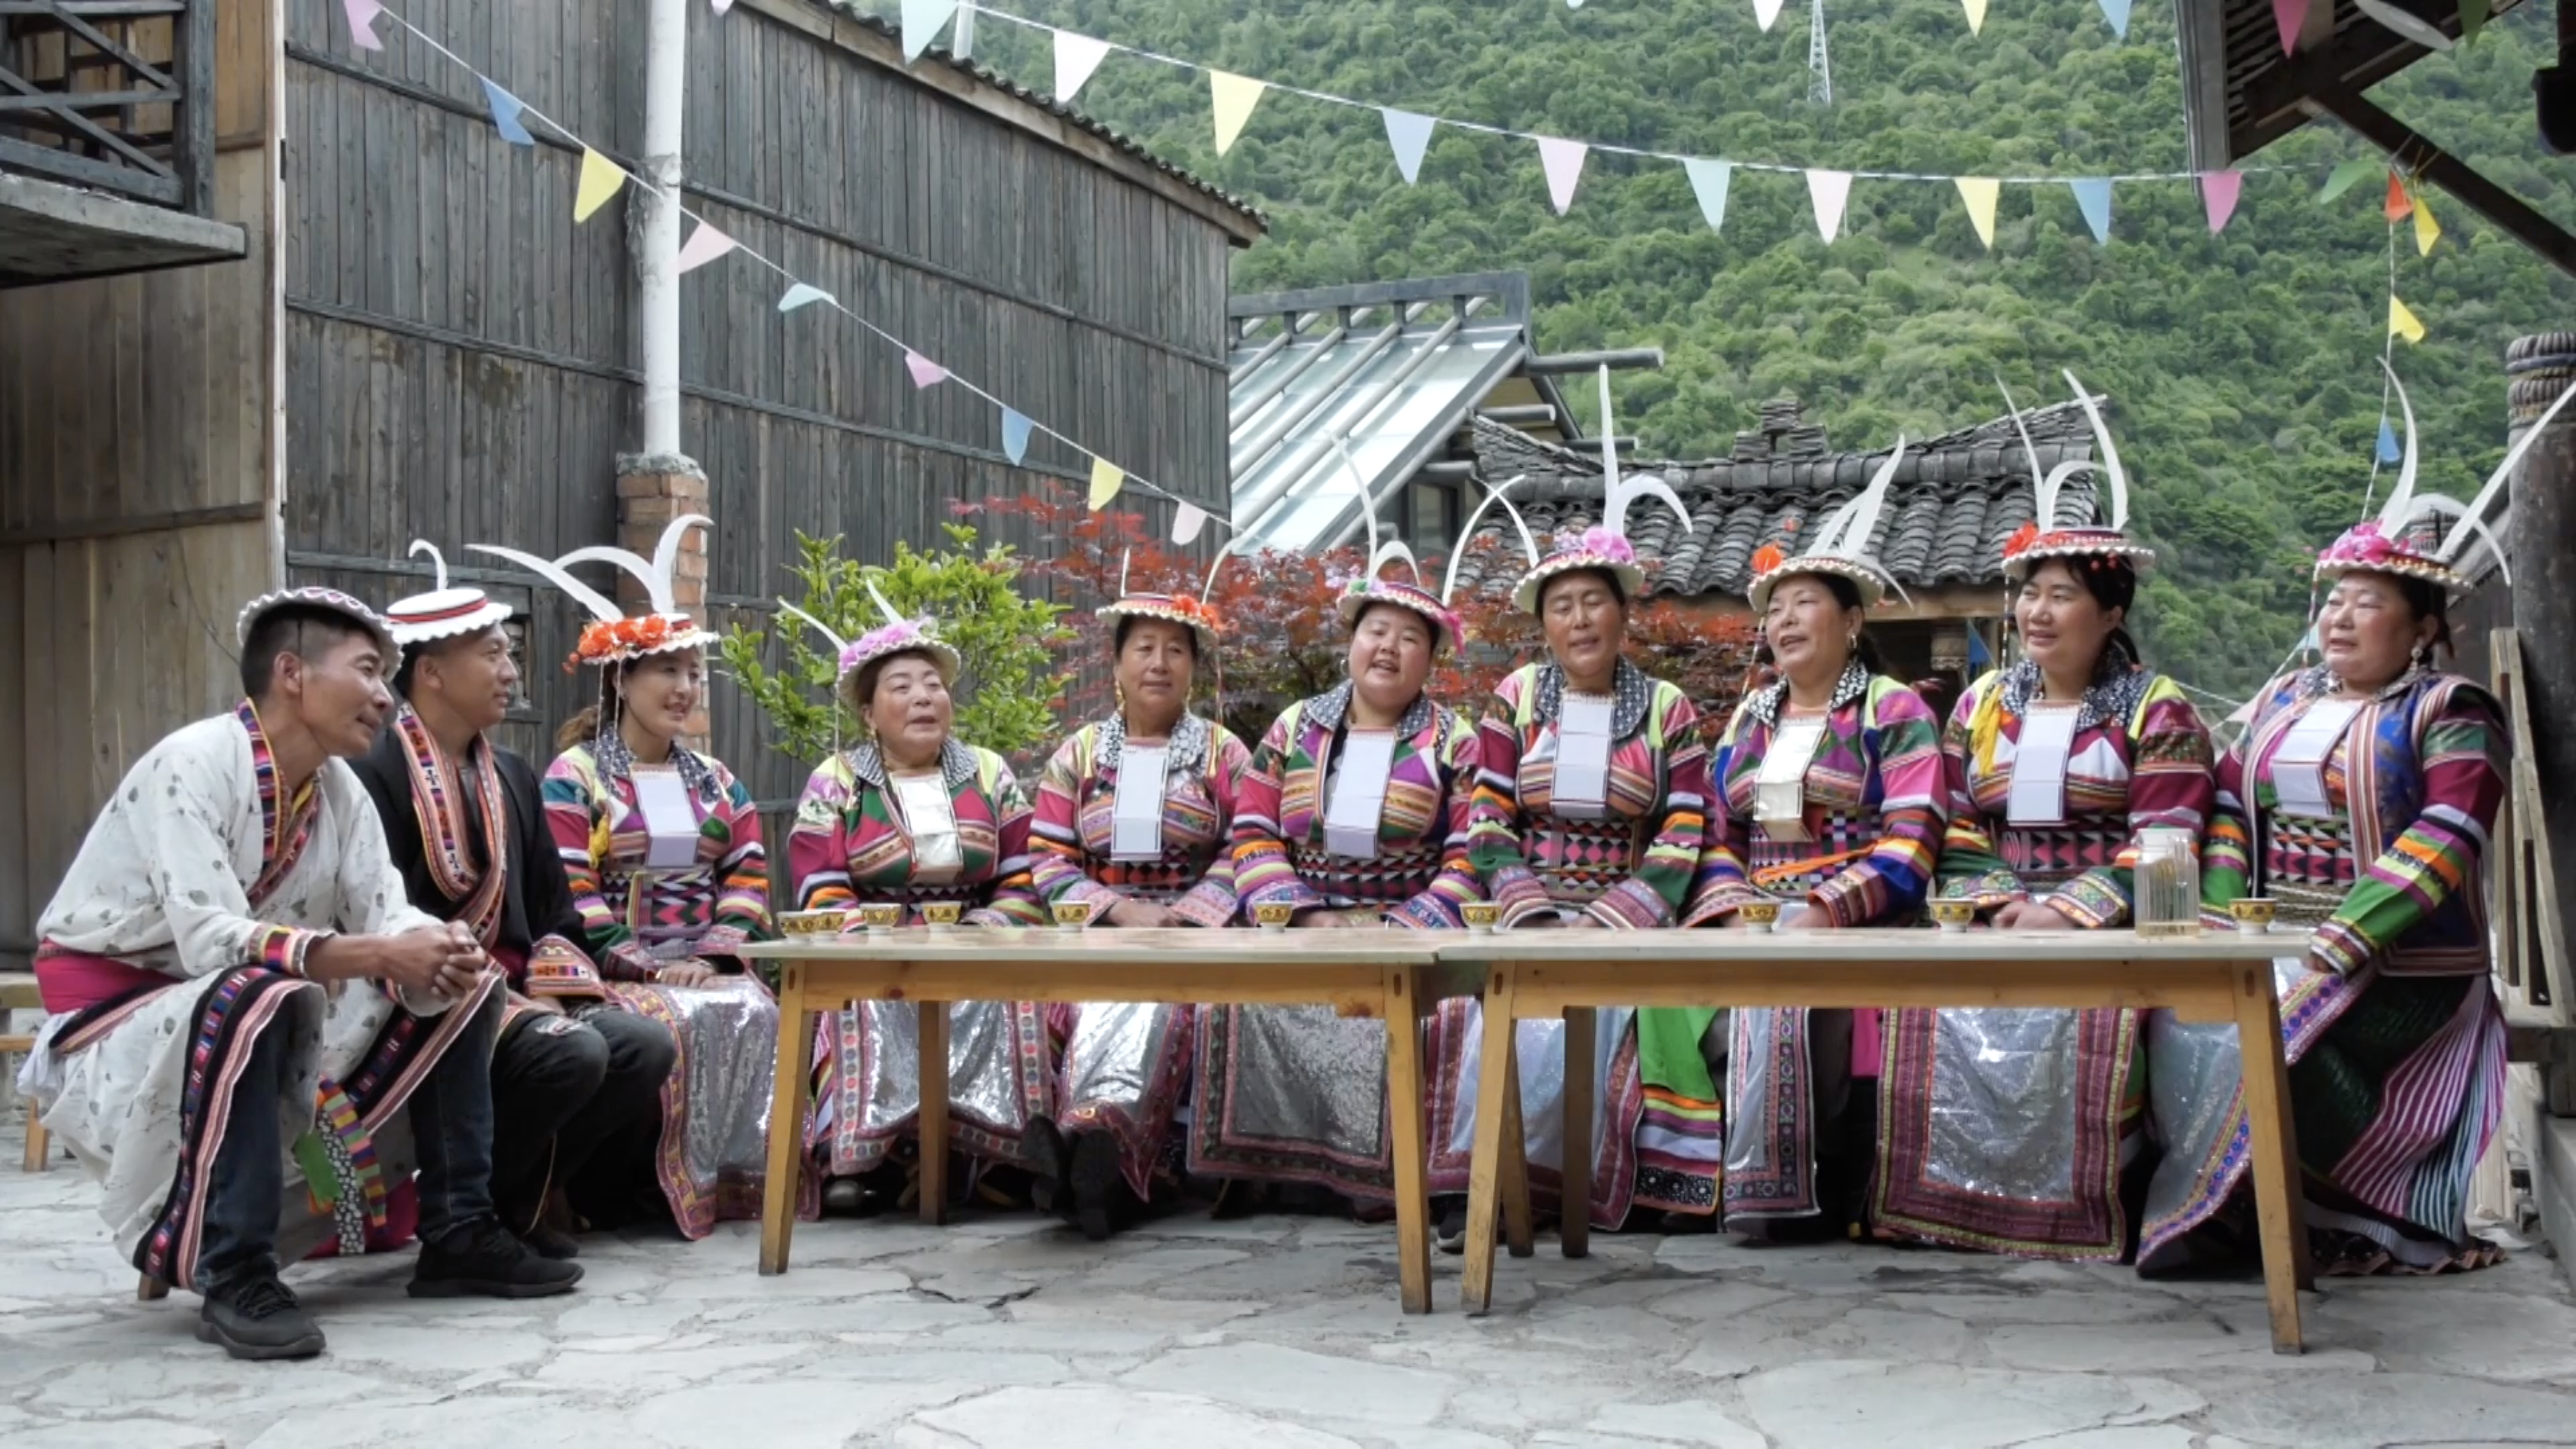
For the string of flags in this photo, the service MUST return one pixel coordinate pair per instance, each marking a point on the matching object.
(601, 180)
(1232, 99)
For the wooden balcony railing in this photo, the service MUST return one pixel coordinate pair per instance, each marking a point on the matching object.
(117, 95)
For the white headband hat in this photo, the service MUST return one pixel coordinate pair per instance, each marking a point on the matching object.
(1605, 548)
(613, 638)
(442, 613)
(1841, 547)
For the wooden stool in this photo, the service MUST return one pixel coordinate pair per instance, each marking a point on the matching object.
(18, 993)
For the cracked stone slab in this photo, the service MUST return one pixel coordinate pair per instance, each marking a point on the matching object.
(2367, 1411)
(1267, 1376)
(1106, 1416)
(1939, 1406)
(1686, 1421)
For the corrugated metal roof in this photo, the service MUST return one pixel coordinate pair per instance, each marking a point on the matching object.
(849, 10)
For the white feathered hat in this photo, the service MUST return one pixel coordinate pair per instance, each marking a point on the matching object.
(613, 638)
(2042, 539)
(1841, 547)
(1604, 548)
(899, 635)
(442, 613)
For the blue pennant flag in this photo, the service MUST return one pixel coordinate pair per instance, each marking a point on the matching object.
(1978, 655)
(2094, 196)
(2388, 449)
(1015, 435)
(505, 114)
(2117, 12)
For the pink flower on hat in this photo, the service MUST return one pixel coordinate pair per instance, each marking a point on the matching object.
(1600, 542)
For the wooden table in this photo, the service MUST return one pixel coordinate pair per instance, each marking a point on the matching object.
(1394, 976)
(1537, 975)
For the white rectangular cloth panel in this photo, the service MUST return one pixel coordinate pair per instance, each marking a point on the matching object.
(2039, 765)
(930, 818)
(1359, 794)
(1136, 821)
(669, 819)
(1780, 789)
(1582, 789)
(2299, 765)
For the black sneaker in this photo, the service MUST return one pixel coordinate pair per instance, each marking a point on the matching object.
(486, 1260)
(1451, 1234)
(551, 1242)
(1096, 1183)
(258, 1318)
(1044, 1153)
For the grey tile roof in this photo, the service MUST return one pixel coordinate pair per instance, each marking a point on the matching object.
(1956, 498)
(849, 10)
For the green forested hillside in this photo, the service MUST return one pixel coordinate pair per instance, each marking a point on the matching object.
(2243, 366)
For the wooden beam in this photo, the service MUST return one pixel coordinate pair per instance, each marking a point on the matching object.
(1617, 359)
(2411, 151)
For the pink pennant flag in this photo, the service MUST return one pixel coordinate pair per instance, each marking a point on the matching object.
(704, 246)
(2218, 192)
(1563, 161)
(924, 371)
(362, 23)
(2292, 17)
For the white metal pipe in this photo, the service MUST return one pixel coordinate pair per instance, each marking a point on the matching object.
(657, 224)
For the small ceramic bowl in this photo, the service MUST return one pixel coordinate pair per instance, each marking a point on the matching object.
(1072, 915)
(941, 915)
(1954, 915)
(882, 916)
(1273, 917)
(2253, 914)
(811, 923)
(1760, 915)
(1481, 916)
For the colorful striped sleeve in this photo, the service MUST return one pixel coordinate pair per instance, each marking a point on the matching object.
(1654, 895)
(1012, 899)
(1887, 885)
(2227, 855)
(1436, 906)
(1722, 885)
(1213, 902)
(818, 849)
(1263, 873)
(2171, 786)
(580, 830)
(1970, 868)
(2462, 749)
(1494, 842)
(1057, 862)
(742, 874)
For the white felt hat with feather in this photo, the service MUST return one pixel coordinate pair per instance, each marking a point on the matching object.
(611, 637)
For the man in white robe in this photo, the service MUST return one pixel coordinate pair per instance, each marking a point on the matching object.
(243, 1004)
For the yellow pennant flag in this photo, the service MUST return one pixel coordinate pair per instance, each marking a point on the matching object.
(2402, 323)
(1976, 16)
(1980, 193)
(1235, 97)
(600, 180)
(2427, 230)
(1106, 480)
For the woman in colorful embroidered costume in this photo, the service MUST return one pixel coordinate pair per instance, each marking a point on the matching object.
(1591, 813)
(2359, 800)
(662, 849)
(1352, 815)
(912, 817)
(1828, 800)
(2007, 1129)
(1134, 816)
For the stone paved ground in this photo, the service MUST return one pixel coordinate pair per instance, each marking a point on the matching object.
(1276, 1331)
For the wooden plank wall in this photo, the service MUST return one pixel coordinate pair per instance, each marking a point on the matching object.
(460, 354)
(135, 447)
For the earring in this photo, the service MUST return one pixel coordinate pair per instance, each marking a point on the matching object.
(1118, 693)
(2423, 656)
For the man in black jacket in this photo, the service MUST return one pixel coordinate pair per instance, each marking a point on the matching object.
(466, 826)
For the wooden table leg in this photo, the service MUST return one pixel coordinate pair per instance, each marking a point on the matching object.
(933, 1035)
(787, 1098)
(1403, 1016)
(1512, 1180)
(1494, 1078)
(2280, 1203)
(1574, 1218)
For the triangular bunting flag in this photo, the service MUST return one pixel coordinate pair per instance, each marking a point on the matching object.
(2400, 203)
(1106, 480)
(2290, 17)
(2473, 18)
(1234, 96)
(600, 180)
(1076, 57)
(802, 295)
(362, 23)
(1980, 193)
(721, 6)
(703, 246)
(1015, 435)
(2347, 175)
(1709, 181)
(2402, 323)
(2093, 197)
(2388, 450)
(1408, 135)
(1765, 12)
(1976, 16)
(2218, 193)
(1187, 522)
(1831, 192)
(2117, 12)
(2427, 230)
(921, 22)
(505, 114)
(925, 372)
(1563, 162)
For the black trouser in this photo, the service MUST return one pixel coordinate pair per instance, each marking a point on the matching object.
(561, 1087)
(451, 1125)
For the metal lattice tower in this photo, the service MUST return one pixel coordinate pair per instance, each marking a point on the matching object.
(1820, 66)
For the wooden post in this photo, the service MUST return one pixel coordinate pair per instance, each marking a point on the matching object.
(2543, 543)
